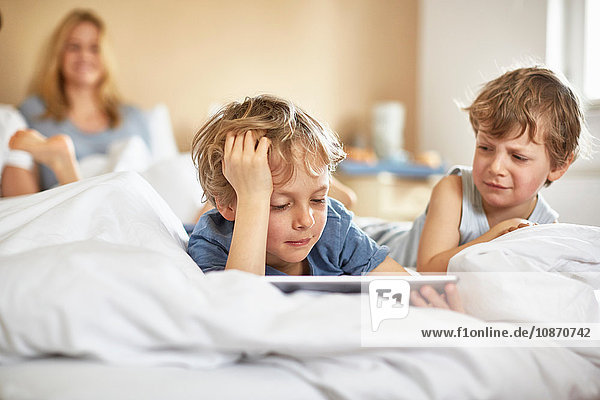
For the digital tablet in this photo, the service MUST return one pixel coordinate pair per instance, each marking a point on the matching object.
(353, 284)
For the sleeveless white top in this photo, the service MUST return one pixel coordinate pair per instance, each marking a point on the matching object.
(404, 245)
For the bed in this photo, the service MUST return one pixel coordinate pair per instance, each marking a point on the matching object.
(99, 300)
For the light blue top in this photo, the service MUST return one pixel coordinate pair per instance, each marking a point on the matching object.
(133, 123)
(343, 248)
(404, 245)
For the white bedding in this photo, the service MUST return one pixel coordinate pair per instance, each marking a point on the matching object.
(97, 270)
(72, 379)
(171, 174)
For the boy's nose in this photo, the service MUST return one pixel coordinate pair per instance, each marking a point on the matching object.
(497, 165)
(304, 218)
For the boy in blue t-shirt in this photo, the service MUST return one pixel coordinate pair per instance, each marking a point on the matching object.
(266, 166)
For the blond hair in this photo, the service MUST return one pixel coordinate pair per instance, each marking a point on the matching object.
(526, 98)
(296, 138)
(49, 83)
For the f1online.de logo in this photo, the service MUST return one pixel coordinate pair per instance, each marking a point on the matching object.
(388, 299)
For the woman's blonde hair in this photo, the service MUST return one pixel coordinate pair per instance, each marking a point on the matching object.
(49, 83)
(296, 138)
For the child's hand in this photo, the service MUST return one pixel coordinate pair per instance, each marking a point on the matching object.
(429, 297)
(246, 165)
(508, 225)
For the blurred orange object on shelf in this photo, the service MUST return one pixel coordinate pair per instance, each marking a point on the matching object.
(360, 154)
(429, 158)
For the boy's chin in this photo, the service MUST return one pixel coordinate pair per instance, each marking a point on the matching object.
(294, 257)
(496, 199)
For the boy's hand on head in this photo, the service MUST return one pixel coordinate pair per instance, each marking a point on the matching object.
(246, 165)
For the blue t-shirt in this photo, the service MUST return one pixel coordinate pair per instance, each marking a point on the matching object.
(343, 249)
(133, 123)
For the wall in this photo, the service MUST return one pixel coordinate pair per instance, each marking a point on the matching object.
(464, 43)
(335, 58)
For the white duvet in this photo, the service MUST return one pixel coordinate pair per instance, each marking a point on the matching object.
(171, 174)
(98, 269)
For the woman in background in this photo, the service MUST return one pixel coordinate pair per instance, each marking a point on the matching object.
(75, 110)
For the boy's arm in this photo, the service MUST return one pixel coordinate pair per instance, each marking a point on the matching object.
(389, 266)
(439, 263)
(440, 236)
(246, 167)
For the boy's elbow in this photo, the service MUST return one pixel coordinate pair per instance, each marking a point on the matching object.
(211, 268)
(432, 266)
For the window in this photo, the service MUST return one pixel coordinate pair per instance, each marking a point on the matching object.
(572, 28)
(591, 68)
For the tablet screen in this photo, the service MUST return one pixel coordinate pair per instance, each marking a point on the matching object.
(353, 284)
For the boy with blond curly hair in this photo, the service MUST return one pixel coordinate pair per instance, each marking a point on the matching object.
(266, 165)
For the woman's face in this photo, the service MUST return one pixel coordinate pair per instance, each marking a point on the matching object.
(81, 63)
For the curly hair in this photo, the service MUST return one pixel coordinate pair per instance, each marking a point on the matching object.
(532, 98)
(296, 138)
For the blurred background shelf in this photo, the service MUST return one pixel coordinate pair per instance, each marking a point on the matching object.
(401, 169)
(389, 196)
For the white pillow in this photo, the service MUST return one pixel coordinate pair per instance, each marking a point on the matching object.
(162, 139)
(94, 268)
(544, 273)
(174, 178)
(11, 121)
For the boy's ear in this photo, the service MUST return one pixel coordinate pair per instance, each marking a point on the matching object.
(556, 173)
(227, 211)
